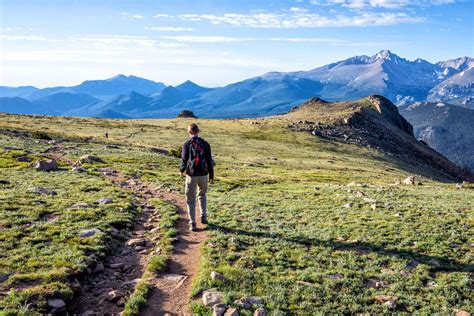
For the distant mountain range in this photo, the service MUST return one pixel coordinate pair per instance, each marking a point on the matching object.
(400, 80)
(447, 128)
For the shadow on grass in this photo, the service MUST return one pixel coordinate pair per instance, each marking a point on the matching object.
(445, 264)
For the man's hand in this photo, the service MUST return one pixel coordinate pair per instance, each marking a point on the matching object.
(183, 174)
(211, 181)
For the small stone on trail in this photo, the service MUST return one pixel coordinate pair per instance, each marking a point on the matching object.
(89, 313)
(56, 303)
(118, 265)
(219, 309)
(99, 267)
(212, 297)
(114, 296)
(217, 276)
(231, 312)
(46, 165)
(136, 242)
(260, 312)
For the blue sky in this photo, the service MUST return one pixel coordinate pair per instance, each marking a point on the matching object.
(53, 42)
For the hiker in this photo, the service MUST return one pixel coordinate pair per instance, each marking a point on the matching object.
(106, 134)
(198, 168)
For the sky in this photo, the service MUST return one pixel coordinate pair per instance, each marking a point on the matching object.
(213, 43)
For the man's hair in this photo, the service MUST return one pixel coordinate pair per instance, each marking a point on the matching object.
(193, 128)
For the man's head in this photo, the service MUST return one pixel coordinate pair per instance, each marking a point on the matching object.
(193, 129)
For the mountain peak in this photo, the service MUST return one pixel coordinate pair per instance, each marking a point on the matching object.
(385, 54)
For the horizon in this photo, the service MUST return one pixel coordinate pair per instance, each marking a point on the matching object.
(214, 43)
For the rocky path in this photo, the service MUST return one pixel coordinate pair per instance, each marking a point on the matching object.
(114, 281)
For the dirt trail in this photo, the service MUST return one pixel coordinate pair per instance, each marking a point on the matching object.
(170, 293)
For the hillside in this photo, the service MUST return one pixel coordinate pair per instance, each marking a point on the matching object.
(306, 223)
(447, 128)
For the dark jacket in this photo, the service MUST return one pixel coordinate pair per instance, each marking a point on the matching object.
(207, 155)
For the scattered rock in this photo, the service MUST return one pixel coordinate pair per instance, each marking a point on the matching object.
(89, 313)
(217, 276)
(435, 263)
(336, 276)
(390, 304)
(57, 304)
(24, 159)
(114, 296)
(42, 191)
(136, 242)
(81, 205)
(385, 298)
(78, 170)
(231, 312)
(459, 312)
(89, 159)
(243, 304)
(118, 265)
(84, 233)
(260, 312)
(99, 267)
(412, 265)
(348, 205)
(409, 181)
(46, 165)
(219, 309)
(375, 284)
(132, 282)
(212, 297)
(104, 201)
(253, 300)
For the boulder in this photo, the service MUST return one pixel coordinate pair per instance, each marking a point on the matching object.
(219, 309)
(136, 242)
(212, 297)
(114, 296)
(231, 312)
(104, 201)
(23, 159)
(409, 180)
(260, 312)
(217, 276)
(89, 159)
(56, 304)
(46, 165)
(243, 304)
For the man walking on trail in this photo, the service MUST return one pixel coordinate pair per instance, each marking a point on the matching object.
(197, 166)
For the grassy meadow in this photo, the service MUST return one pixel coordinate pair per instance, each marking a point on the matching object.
(309, 225)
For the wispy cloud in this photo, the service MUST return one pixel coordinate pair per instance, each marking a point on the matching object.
(169, 29)
(299, 18)
(387, 4)
(124, 41)
(229, 39)
(23, 38)
(128, 15)
(161, 15)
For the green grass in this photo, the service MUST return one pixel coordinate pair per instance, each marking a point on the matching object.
(279, 228)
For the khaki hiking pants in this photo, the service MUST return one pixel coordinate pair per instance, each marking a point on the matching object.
(193, 183)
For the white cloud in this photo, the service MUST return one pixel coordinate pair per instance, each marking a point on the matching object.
(387, 4)
(169, 29)
(302, 19)
(298, 10)
(161, 15)
(116, 40)
(228, 39)
(23, 38)
(131, 16)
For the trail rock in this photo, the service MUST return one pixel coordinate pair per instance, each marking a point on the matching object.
(231, 312)
(104, 201)
(114, 296)
(118, 265)
(435, 263)
(42, 191)
(243, 304)
(89, 313)
(217, 276)
(136, 242)
(219, 309)
(260, 312)
(212, 297)
(99, 268)
(253, 300)
(46, 165)
(57, 304)
(409, 181)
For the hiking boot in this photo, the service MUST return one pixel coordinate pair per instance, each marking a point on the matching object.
(192, 227)
(204, 221)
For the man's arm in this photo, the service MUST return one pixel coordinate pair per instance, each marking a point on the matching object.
(209, 162)
(184, 158)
